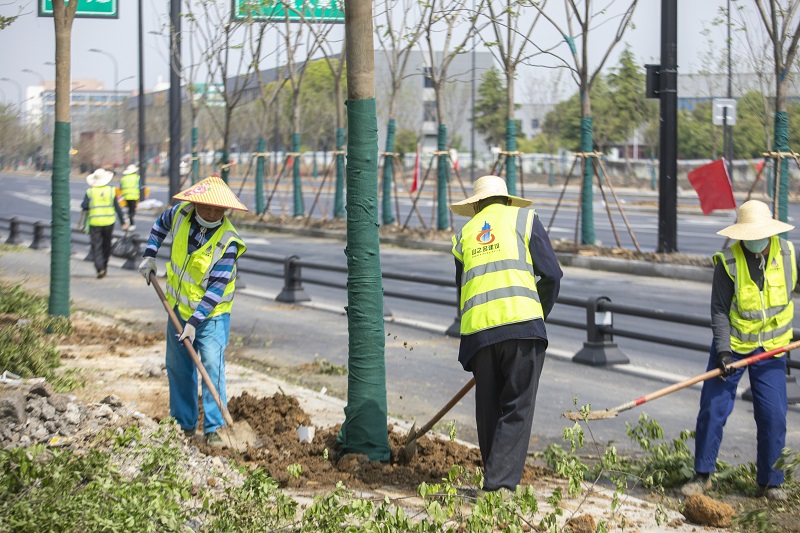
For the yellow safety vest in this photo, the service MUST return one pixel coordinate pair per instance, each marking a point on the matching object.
(498, 286)
(187, 274)
(761, 318)
(101, 206)
(129, 184)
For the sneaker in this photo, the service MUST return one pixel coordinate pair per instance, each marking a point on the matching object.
(775, 494)
(213, 439)
(101, 274)
(189, 433)
(698, 485)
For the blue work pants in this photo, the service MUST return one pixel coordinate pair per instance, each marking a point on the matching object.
(768, 385)
(210, 341)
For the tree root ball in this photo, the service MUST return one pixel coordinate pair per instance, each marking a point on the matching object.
(705, 511)
(581, 524)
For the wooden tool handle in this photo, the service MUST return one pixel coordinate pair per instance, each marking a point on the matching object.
(438, 416)
(192, 353)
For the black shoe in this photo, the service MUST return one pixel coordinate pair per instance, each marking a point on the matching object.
(101, 274)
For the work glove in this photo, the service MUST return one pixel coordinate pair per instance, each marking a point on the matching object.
(724, 360)
(188, 333)
(148, 265)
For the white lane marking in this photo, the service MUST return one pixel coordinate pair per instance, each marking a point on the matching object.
(74, 205)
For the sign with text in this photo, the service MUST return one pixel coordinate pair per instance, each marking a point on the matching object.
(724, 112)
(209, 93)
(298, 10)
(86, 8)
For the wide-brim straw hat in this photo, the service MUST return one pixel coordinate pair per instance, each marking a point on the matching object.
(486, 187)
(99, 177)
(211, 191)
(131, 169)
(754, 221)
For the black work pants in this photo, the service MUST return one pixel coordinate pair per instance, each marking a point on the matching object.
(506, 382)
(131, 210)
(101, 245)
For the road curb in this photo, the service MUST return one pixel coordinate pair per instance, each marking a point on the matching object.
(621, 266)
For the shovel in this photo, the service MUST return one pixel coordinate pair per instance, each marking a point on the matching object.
(411, 440)
(611, 413)
(237, 436)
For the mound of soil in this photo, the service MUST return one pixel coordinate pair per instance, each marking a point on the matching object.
(275, 419)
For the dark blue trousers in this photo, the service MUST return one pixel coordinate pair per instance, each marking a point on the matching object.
(768, 385)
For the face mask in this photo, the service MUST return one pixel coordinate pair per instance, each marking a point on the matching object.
(757, 246)
(206, 223)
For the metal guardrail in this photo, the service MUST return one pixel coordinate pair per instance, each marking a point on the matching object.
(599, 347)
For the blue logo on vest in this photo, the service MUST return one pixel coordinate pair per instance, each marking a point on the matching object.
(485, 236)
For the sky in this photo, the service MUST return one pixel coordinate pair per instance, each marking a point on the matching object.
(29, 42)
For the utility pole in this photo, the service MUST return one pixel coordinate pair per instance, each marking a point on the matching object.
(727, 128)
(174, 97)
(668, 134)
(142, 145)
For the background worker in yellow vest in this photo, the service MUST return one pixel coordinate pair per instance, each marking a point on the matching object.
(499, 254)
(129, 183)
(751, 312)
(201, 280)
(100, 203)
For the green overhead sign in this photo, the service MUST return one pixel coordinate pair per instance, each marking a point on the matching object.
(275, 10)
(108, 9)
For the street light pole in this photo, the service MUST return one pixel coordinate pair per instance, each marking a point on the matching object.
(116, 84)
(41, 94)
(728, 131)
(19, 93)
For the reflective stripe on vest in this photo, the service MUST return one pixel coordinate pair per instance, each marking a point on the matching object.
(761, 318)
(101, 206)
(129, 184)
(497, 286)
(187, 274)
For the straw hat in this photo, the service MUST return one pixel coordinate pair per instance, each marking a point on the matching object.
(130, 169)
(211, 191)
(486, 187)
(754, 221)
(99, 177)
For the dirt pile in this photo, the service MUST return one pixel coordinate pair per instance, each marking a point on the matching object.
(705, 511)
(276, 419)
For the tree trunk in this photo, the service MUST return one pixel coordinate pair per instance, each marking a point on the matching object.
(442, 166)
(781, 144)
(511, 134)
(365, 428)
(297, 184)
(587, 194)
(60, 233)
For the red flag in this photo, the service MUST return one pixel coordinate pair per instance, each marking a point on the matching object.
(415, 182)
(759, 166)
(454, 159)
(713, 186)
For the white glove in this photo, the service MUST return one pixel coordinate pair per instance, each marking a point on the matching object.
(148, 265)
(188, 333)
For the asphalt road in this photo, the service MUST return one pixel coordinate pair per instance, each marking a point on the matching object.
(422, 372)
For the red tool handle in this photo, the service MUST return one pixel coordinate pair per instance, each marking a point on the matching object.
(704, 376)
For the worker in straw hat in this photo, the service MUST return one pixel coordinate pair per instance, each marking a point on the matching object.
(130, 185)
(201, 280)
(100, 210)
(500, 253)
(751, 312)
